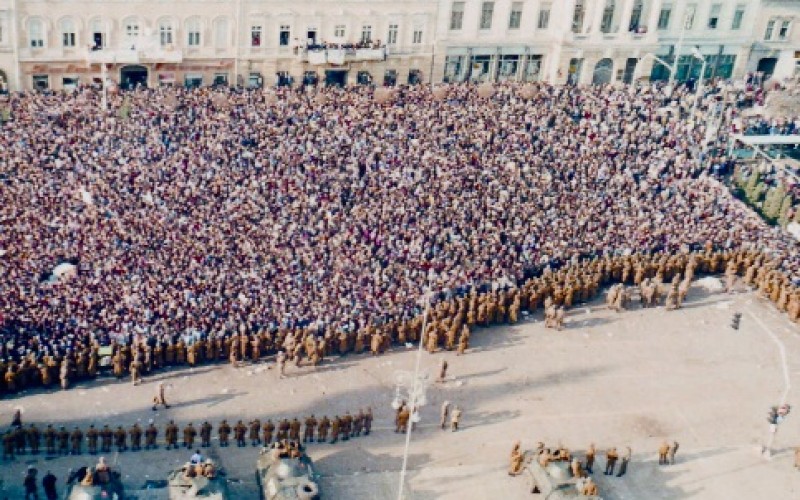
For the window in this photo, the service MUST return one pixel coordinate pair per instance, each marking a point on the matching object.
(544, 17)
(487, 11)
(255, 35)
(67, 32)
(608, 17)
(636, 15)
(165, 32)
(663, 17)
(515, 19)
(132, 29)
(98, 34)
(221, 33)
(366, 33)
(784, 31)
(391, 38)
(577, 16)
(417, 37)
(41, 82)
(770, 29)
(284, 35)
(338, 32)
(737, 17)
(713, 16)
(689, 18)
(36, 33)
(457, 16)
(193, 32)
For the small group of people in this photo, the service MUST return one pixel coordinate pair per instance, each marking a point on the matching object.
(199, 466)
(31, 487)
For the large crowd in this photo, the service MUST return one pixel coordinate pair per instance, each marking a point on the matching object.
(207, 215)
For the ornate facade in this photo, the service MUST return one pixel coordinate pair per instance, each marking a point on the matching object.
(60, 43)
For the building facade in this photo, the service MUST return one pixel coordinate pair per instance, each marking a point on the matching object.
(58, 44)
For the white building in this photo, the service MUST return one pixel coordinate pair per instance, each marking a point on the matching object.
(59, 43)
(599, 41)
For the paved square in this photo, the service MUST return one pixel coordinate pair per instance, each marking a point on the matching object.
(629, 379)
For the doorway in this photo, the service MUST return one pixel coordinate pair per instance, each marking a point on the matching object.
(133, 76)
(336, 77)
(766, 66)
(603, 72)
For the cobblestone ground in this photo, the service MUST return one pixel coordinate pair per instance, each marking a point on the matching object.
(629, 379)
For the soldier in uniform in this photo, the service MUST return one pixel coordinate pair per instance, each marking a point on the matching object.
(268, 429)
(63, 441)
(662, 453)
(311, 425)
(255, 430)
(517, 458)
(239, 433)
(171, 435)
(673, 449)
(121, 439)
(294, 429)
(8, 445)
(160, 397)
(590, 453)
(358, 424)
(336, 425)
(403, 415)
(455, 418)
(150, 436)
(76, 440)
(368, 421)
(224, 431)
(135, 369)
(21, 439)
(611, 461)
(189, 434)
(33, 439)
(444, 413)
(283, 430)
(106, 438)
(322, 429)
(91, 437)
(135, 434)
(205, 434)
(626, 458)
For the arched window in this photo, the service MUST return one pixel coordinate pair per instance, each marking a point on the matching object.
(221, 33)
(131, 28)
(636, 15)
(165, 32)
(98, 30)
(608, 16)
(193, 32)
(36, 33)
(67, 26)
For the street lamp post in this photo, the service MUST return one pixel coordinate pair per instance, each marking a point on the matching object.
(699, 56)
(416, 393)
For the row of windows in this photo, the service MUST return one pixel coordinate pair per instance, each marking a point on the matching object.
(611, 15)
(166, 33)
(783, 25)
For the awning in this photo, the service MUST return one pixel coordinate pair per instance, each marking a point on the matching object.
(768, 140)
(166, 77)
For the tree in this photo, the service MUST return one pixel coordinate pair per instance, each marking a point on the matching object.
(786, 206)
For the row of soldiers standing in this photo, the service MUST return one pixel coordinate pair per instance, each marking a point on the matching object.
(63, 442)
(448, 326)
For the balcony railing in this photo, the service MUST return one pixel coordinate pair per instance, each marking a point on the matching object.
(134, 55)
(338, 56)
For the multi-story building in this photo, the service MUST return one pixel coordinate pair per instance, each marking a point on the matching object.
(60, 43)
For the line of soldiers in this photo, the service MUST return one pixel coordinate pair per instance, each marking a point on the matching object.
(63, 442)
(450, 323)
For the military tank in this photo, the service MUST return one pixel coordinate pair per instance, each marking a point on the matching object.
(284, 472)
(555, 482)
(190, 482)
(94, 483)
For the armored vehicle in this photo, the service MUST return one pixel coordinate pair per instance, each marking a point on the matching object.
(100, 483)
(284, 472)
(190, 481)
(555, 482)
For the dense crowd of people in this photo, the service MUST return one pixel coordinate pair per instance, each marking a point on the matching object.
(207, 217)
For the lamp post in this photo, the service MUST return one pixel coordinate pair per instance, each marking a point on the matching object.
(416, 392)
(699, 56)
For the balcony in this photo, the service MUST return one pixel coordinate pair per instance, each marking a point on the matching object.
(135, 55)
(338, 56)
